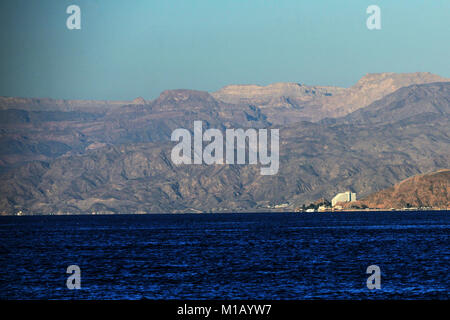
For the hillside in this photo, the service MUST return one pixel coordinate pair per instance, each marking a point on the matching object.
(424, 190)
(286, 103)
(45, 135)
(416, 100)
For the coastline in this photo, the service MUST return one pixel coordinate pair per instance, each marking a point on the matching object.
(343, 211)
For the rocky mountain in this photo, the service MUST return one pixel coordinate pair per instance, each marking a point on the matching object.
(44, 135)
(289, 95)
(413, 101)
(119, 161)
(423, 190)
(286, 103)
(371, 88)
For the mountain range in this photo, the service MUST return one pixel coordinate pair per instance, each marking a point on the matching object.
(63, 156)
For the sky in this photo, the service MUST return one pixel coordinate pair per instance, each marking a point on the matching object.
(127, 49)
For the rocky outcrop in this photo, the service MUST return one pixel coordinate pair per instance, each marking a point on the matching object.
(424, 190)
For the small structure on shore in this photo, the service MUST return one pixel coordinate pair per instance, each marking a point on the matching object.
(347, 196)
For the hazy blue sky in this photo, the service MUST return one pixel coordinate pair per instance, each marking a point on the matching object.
(136, 48)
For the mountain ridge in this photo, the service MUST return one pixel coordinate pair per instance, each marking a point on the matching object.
(285, 105)
(297, 95)
(126, 171)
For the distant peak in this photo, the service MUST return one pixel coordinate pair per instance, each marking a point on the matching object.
(139, 100)
(256, 86)
(183, 95)
(262, 95)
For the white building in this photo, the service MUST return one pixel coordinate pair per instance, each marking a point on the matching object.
(347, 196)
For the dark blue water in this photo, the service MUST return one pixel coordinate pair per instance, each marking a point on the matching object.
(226, 256)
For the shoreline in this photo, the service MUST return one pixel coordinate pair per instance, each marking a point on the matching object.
(229, 212)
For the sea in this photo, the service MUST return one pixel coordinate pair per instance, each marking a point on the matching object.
(275, 256)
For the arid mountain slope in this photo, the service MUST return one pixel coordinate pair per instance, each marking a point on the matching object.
(371, 88)
(289, 95)
(45, 135)
(428, 99)
(286, 103)
(424, 190)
